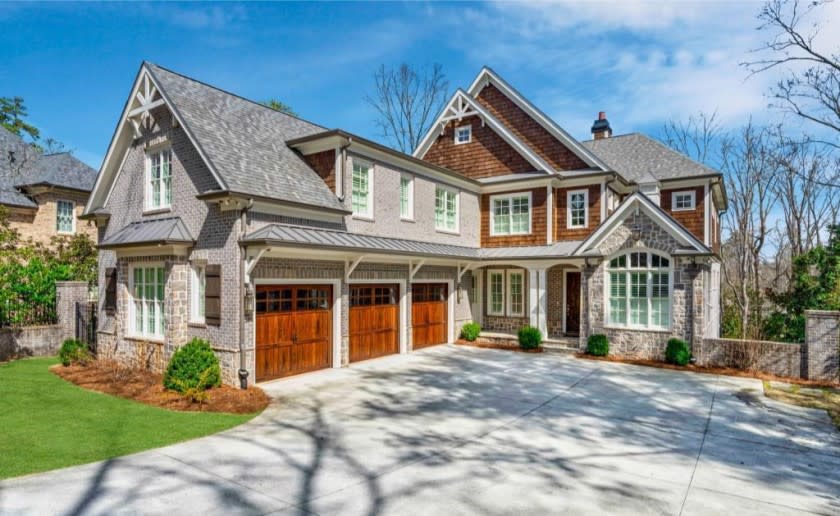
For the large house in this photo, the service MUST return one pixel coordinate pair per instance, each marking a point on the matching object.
(43, 194)
(293, 248)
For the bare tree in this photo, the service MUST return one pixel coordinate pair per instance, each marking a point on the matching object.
(695, 137)
(406, 101)
(811, 88)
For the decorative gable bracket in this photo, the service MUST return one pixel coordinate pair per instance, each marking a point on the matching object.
(146, 98)
(458, 110)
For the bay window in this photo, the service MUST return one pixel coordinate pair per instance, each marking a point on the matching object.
(510, 214)
(146, 307)
(159, 179)
(639, 290)
(446, 209)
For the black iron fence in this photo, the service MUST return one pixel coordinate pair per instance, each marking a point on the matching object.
(86, 323)
(20, 312)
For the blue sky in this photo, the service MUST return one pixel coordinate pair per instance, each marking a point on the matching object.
(642, 62)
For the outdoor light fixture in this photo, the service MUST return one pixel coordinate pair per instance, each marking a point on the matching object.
(249, 300)
(636, 233)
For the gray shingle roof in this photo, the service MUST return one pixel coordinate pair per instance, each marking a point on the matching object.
(170, 230)
(31, 168)
(634, 155)
(330, 238)
(245, 141)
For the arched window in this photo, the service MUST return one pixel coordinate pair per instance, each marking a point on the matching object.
(638, 286)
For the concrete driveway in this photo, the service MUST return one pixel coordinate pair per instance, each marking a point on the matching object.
(453, 430)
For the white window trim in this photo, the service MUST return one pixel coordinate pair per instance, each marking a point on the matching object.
(410, 215)
(627, 270)
(468, 127)
(690, 193)
(370, 166)
(457, 230)
(72, 217)
(510, 197)
(569, 194)
(194, 298)
(509, 295)
(131, 312)
(147, 201)
(500, 272)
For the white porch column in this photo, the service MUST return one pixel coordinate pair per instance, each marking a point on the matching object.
(537, 299)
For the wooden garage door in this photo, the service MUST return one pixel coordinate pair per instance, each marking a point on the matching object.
(294, 329)
(374, 321)
(428, 314)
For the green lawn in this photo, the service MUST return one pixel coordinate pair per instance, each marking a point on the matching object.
(48, 423)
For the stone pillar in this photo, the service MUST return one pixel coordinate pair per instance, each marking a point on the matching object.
(822, 345)
(177, 305)
(591, 297)
(67, 295)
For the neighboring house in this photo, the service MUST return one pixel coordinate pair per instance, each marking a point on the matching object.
(44, 193)
(293, 248)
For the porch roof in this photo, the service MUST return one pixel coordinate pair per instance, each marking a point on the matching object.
(166, 231)
(286, 234)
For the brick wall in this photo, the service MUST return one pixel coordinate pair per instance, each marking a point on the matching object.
(561, 231)
(693, 220)
(31, 341)
(538, 233)
(528, 130)
(779, 358)
(40, 224)
(822, 334)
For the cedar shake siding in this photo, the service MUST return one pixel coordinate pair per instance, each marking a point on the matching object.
(528, 130)
(324, 164)
(691, 219)
(486, 155)
(538, 227)
(561, 232)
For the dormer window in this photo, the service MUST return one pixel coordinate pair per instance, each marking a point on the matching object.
(159, 179)
(463, 134)
(683, 201)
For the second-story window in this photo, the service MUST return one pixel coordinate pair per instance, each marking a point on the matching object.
(463, 134)
(159, 183)
(361, 195)
(510, 214)
(577, 209)
(446, 209)
(682, 201)
(65, 222)
(406, 197)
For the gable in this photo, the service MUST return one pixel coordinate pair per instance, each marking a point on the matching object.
(529, 130)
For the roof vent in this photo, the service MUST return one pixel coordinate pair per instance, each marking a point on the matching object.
(601, 128)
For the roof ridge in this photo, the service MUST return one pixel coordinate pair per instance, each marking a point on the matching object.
(634, 133)
(236, 95)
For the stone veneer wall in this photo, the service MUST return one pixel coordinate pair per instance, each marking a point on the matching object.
(686, 296)
(30, 341)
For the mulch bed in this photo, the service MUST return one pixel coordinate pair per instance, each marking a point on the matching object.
(111, 378)
(488, 345)
(726, 371)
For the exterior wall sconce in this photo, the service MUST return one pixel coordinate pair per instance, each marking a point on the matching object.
(636, 233)
(249, 300)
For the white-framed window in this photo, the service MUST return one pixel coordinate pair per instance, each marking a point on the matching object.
(463, 134)
(639, 284)
(516, 292)
(146, 307)
(361, 193)
(446, 209)
(577, 208)
(406, 197)
(65, 218)
(198, 281)
(496, 292)
(159, 179)
(683, 200)
(510, 214)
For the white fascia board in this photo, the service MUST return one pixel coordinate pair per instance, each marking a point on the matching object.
(514, 186)
(487, 75)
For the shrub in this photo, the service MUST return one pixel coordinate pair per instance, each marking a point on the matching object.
(470, 331)
(598, 345)
(529, 337)
(193, 366)
(677, 352)
(73, 352)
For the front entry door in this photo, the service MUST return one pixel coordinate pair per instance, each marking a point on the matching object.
(573, 303)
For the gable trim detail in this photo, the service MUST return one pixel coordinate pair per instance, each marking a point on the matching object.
(665, 221)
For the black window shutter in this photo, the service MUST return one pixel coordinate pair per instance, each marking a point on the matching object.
(213, 295)
(111, 290)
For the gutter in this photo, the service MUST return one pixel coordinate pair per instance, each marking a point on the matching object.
(243, 362)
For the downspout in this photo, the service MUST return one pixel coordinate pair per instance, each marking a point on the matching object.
(243, 362)
(343, 156)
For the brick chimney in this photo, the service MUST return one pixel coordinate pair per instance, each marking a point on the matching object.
(601, 127)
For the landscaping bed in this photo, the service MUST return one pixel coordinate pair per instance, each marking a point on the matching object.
(825, 398)
(726, 371)
(513, 346)
(145, 387)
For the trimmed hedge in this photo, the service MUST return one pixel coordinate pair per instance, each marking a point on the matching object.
(677, 352)
(529, 337)
(73, 351)
(598, 345)
(470, 331)
(192, 367)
